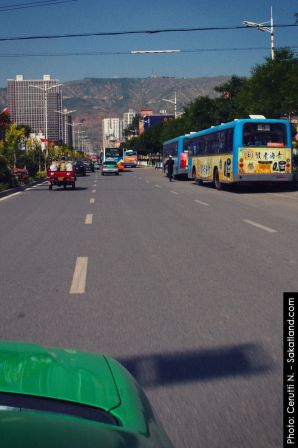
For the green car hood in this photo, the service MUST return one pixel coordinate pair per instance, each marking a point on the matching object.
(63, 374)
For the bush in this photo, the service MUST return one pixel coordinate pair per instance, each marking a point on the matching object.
(41, 174)
(6, 178)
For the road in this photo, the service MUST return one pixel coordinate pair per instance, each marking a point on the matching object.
(181, 283)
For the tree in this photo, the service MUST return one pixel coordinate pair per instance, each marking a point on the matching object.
(11, 148)
(271, 90)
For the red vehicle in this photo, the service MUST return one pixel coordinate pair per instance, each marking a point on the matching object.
(61, 178)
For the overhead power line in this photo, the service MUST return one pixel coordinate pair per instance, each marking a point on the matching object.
(37, 4)
(122, 33)
(133, 53)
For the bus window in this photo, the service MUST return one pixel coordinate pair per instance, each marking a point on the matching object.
(259, 134)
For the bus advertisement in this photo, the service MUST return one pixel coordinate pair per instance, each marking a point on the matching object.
(130, 158)
(245, 150)
(178, 149)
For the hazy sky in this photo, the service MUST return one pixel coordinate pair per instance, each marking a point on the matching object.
(87, 16)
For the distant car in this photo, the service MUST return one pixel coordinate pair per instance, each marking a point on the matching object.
(109, 167)
(89, 166)
(80, 168)
(54, 397)
(96, 165)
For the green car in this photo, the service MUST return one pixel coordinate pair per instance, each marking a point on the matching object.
(53, 397)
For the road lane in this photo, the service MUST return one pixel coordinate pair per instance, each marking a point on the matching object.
(189, 298)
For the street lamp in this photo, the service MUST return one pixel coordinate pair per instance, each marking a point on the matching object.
(173, 102)
(45, 90)
(263, 27)
(65, 112)
(79, 143)
(73, 125)
(153, 51)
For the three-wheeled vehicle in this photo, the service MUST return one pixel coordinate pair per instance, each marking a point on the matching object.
(61, 178)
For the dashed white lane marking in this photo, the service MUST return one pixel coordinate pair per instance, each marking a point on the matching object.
(93, 191)
(10, 196)
(173, 192)
(157, 186)
(201, 202)
(147, 181)
(92, 200)
(89, 218)
(78, 284)
(260, 226)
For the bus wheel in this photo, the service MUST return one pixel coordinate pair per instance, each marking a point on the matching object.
(218, 185)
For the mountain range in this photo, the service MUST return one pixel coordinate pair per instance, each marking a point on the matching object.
(96, 98)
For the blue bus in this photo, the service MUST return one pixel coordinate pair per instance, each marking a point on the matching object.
(178, 149)
(244, 150)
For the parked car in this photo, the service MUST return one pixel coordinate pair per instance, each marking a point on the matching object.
(109, 167)
(80, 168)
(54, 397)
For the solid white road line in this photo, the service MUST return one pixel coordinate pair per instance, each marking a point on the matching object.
(89, 218)
(173, 192)
(201, 202)
(10, 196)
(260, 226)
(92, 200)
(78, 284)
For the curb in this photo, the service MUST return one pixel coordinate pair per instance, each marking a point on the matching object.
(10, 191)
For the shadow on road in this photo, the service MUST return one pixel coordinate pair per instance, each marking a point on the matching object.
(255, 188)
(55, 189)
(203, 365)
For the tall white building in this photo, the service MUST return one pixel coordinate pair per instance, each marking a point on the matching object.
(112, 132)
(128, 117)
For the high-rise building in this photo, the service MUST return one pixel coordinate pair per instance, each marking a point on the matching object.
(38, 104)
(128, 117)
(112, 132)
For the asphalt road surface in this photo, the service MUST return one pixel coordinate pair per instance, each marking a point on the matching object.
(181, 283)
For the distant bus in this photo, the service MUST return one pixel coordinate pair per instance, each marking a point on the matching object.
(245, 150)
(130, 158)
(113, 153)
(178, 149)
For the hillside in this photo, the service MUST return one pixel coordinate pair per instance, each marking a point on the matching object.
(97, 98)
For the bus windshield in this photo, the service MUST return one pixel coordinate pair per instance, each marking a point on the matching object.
(112, 153)
(264, 134)
(129, 152)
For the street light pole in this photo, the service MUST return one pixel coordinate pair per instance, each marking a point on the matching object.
(45, 90)
(65, 112)
(173, 102)
(263, 27)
